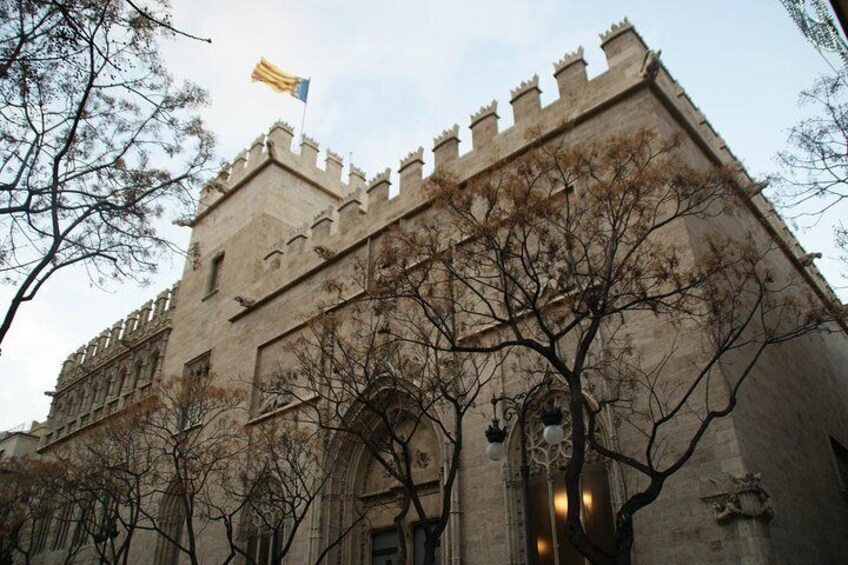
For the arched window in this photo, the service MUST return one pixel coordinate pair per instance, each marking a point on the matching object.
(264, 525)
(171, 522)
(136, 375)
(547, 496)
(120, 379)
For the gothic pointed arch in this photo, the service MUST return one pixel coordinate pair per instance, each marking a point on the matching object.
(152, 366)
(548, 503)
(363, 496)
(171, 523)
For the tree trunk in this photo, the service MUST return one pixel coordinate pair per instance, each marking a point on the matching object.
(399, 527)
(430, 545)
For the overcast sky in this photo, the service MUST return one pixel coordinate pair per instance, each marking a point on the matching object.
(387, 76)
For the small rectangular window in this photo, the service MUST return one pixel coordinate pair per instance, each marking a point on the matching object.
(384, 548)
(194, 373)
(199, 366)
(215, 268)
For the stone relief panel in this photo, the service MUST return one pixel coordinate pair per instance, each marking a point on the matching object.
(277, 383)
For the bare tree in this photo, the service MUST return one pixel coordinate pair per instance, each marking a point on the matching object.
(263, 500)
(560, 258)
(109, 480)
(95, 140)
(376, 376)
(814, 177)
(197, 434)
(29, 490)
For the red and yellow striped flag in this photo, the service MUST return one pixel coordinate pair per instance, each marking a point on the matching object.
(280, 81)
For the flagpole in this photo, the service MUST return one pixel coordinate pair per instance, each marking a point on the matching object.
(303, 116)
(302, 121)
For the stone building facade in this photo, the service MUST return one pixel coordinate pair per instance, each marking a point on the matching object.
(764, 486)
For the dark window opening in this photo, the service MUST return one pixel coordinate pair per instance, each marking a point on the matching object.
(215, 267)
(263, 548)
(384, 548)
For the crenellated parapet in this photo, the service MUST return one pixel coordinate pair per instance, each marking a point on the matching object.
(570, 74)
(446, 147)
(525, 99)
(277, 147)
(704, 131)
(113, 369)
(484, 124)
(365, 207)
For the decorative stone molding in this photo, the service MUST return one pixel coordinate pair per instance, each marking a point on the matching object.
(651, 65)
(746, 499)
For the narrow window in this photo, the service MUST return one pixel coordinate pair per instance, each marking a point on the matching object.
(66, 517)
(263, 547)
(84, 524)
(549, 509)
(215, 273)
(137, 376)
(840, 456)
(171, 521)
(194, 371)
(41, 528)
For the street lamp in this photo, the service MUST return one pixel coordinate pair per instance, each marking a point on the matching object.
(519, 406)
(552, 419)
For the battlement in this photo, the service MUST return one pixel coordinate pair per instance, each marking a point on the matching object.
(151, 317)
(365, 208)
(277, 146)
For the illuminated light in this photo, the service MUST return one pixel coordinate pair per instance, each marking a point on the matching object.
(495, 451)
(561, 504)
(553, 434)
(542, 546)
(587, 501)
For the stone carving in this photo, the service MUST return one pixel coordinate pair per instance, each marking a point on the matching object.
(545, 459)
(651, 65)
(747, 499)
(422, 459)
(279, 394)
(244, 302)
